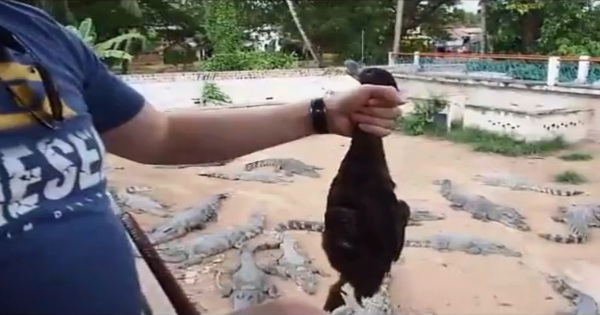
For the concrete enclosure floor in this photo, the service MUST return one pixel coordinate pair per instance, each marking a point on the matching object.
(424, 281)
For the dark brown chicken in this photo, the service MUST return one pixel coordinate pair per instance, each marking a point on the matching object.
(364, 221)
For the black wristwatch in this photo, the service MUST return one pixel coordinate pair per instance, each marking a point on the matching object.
(318, 115)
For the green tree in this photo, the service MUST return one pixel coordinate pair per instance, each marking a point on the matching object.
(544, 26)
(336, 26)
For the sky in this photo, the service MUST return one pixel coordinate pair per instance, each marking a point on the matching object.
(470, 5)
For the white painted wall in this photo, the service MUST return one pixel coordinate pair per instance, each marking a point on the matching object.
(180, 90)
(181, 94)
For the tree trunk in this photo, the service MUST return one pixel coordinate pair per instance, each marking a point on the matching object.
(483, 14)
(531, 24)
(398, 27)
(307, 42)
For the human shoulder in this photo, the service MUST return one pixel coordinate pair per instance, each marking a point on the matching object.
(45, 36)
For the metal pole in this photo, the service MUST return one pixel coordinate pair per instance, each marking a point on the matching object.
(362, 46)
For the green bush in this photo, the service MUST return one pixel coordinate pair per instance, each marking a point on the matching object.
(212, 93)
(576, 157)
(570, 177)
(250, 60)
(421, 120)
(179, 56)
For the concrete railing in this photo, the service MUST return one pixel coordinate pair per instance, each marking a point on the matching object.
(548, 70)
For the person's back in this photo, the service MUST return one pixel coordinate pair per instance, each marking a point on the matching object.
(55, 217)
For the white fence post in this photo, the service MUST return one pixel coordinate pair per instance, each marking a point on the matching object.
(391, 59)
(416, 59)
(553, 70)
(583, 69)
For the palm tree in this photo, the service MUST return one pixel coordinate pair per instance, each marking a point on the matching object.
(307, 41)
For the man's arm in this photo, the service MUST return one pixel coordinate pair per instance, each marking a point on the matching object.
(133, 129)
(199, 136)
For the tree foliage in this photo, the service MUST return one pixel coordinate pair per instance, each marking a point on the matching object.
(336, 26)
(545, 26)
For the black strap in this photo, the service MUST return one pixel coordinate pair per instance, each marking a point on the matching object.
(318, 115)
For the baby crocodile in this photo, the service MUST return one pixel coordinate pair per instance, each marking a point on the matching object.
(249, 284)
(289, 167)
(514, 182)
(465, 243)
(206, 245)
(137, 203)
(181, 166)
(378, 304)
(579, 218)
(481, 208)
(293, 263)
(192, 218)
(419, 215)
(300, 225)
(582, 303)
(267, 178)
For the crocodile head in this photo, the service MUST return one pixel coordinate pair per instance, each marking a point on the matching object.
(445, 186)
(242, 299)
(352, 68)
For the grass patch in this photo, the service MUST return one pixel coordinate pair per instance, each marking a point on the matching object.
(486, 141)
(425, 120)
(577, 156)
(491, 142)
(570, 177)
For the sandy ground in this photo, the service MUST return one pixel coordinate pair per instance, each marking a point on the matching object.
(424, 280)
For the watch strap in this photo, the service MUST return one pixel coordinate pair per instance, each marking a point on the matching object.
(318, 115)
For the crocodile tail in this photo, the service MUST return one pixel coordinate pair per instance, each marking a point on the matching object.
(300, 225)
(224, 195)
(563, 239)
(211, 174)
(556, 191)
(267, 246)
(417, 243)
(258, 164)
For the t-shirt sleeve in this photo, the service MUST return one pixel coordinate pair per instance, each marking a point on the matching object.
(111, 102)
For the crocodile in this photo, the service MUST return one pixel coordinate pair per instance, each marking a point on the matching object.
(352, 68)
(267, 178)
(289, 166)
(480, 207)
(249, 284)
(137, 203)
(417, 216)
(193, 218)
(579, 218)
(138, 189)
(378, 304)
(300, 225)
(195, 250)
(446, 242)
(294, 264)
(582, 303)
(365, 223)
(514, 182)
(181, 166)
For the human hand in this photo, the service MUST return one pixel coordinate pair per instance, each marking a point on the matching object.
(374, 108)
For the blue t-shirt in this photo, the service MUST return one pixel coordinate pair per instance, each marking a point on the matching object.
(62, 250)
